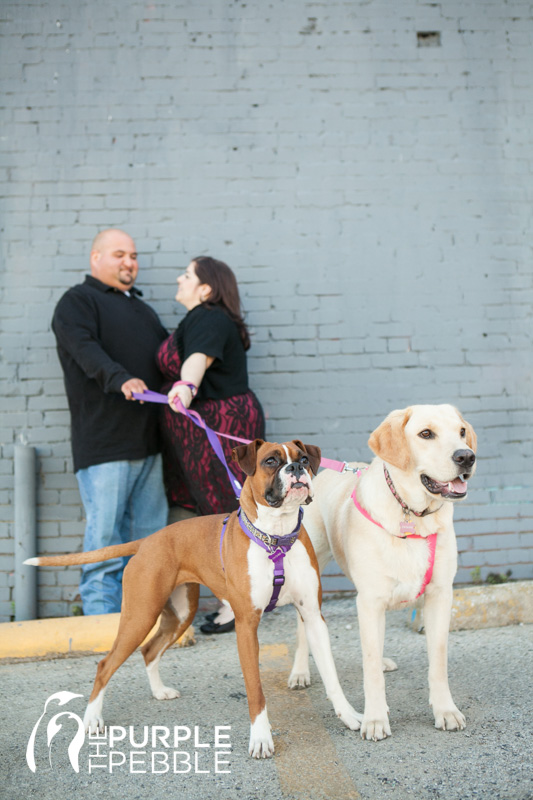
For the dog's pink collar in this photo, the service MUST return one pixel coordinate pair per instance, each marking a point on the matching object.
(407, 511)
(431, 539)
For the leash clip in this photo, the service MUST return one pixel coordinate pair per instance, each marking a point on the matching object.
(346, 468)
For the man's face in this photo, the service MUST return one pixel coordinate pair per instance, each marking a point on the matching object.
(114, 260)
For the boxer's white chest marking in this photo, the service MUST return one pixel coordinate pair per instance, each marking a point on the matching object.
(301, 580)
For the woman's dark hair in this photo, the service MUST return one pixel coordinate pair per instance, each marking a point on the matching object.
(224, 291)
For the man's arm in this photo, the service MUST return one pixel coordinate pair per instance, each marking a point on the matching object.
(75, 327)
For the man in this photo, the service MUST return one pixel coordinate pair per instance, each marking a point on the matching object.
(106, 341)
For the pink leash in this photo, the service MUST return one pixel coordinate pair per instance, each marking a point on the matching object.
(156, 397)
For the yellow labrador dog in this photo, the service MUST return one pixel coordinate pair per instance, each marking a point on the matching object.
(390, 529)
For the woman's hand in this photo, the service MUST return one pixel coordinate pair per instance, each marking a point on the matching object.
(183, 393)
(192, 371)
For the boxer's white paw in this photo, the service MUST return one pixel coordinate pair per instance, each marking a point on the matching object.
(449, 719)
(349, 716)
(299, 680)
(94, 725)
(389, 665)
(92, 719)
(261, 744)
(158, 688)
(165, 693)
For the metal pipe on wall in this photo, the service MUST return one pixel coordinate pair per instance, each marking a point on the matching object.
(25, 532)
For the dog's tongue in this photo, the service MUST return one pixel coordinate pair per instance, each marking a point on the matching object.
(457, 486)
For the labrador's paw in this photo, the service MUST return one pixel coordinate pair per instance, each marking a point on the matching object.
(165, 693)
(449, 719)
(375, 727)
(299, 680)
(187, 639)
(351, 718)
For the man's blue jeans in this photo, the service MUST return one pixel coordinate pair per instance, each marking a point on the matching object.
(123, 500)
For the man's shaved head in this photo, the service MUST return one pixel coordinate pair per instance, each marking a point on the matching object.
(114, 259)
(101, 237)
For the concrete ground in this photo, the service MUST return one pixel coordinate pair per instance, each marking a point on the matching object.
(316, 757)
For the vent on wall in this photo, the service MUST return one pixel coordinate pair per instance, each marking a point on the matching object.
(428, 39)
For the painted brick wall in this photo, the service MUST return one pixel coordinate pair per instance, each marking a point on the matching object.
(371, 187)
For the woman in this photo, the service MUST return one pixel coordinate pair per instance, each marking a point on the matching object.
(207, 351)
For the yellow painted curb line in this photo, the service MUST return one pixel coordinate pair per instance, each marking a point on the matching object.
(473, 607)
(41, 637)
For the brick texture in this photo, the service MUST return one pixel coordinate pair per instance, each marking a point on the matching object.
(373, 196)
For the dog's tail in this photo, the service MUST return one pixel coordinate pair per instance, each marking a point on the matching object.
(91, 557)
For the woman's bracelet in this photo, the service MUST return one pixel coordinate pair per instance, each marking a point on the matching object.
(192, 387)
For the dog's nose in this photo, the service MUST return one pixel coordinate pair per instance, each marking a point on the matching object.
(464, 458)
(295, 467)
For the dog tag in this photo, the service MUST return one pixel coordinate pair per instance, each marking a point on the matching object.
(407, 528)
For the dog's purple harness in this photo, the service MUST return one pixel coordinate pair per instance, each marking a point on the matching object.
(276, 546)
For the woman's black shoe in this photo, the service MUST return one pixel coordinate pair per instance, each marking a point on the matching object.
(211, 617)
(213, 627)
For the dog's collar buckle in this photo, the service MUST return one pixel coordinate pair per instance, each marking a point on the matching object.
(267, 541)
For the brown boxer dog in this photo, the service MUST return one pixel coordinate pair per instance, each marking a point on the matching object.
(167, 567)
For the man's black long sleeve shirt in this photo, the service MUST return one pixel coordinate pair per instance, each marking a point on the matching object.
(104, 338)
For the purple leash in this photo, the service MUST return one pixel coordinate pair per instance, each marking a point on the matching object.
(155, 397)
(276, 547)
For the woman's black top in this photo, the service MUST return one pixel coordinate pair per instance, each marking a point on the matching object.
(209, 330)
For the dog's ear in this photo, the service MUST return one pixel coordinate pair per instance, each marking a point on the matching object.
(246, 456)
(471, 438)
(313, 452)
(389, 441)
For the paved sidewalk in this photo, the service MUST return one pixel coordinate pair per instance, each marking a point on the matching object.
(316, 757)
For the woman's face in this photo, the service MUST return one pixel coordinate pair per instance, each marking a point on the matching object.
(190, 291)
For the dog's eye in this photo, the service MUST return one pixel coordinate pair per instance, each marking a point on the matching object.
(426, 434)
(463, 433)
(304, 460)
(271, 462)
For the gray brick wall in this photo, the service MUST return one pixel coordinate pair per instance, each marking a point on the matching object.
(372, 195)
